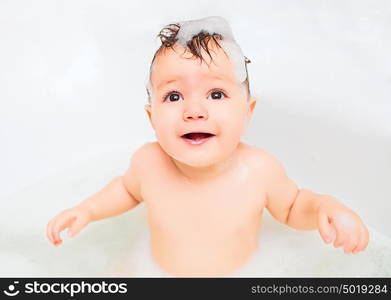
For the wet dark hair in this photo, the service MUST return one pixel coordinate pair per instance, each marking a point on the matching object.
(198, 42)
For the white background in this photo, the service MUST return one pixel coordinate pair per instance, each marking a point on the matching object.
(73, 75)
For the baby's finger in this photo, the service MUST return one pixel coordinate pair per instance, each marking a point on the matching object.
(333, 234)
(363, 240)
(51, 228)
(51, 233)
(360, 241)
(352, 241)
(341, 236)
(60, 225)
(325, 228)
(55, 234)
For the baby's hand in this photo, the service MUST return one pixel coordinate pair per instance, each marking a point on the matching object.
(75, 219)
(339, 224)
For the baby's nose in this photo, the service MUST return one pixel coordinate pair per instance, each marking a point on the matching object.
(195, 114)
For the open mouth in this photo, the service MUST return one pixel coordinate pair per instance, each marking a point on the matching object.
(197, 138)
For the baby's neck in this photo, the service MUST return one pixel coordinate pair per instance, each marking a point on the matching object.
(208, 172)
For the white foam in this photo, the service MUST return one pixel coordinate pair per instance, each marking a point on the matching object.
(211, 25)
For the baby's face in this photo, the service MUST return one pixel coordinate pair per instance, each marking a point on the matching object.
(189, 97)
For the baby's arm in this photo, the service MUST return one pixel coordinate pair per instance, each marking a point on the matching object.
(305, 210)
(118, 196)
(286, 202)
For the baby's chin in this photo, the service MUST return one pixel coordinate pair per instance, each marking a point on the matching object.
(196, 160)
(207, 155)
(200, 159)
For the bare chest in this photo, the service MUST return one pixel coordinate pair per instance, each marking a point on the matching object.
(232, 203)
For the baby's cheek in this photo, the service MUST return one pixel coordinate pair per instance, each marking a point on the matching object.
(237, 125)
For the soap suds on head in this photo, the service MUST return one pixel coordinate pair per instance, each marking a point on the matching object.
(215, 25)
(194, 35)
(211, 25)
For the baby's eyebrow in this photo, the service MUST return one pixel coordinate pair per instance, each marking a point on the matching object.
(165, 82)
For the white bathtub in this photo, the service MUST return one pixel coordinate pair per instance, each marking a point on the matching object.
(119, 246)
(71, 90)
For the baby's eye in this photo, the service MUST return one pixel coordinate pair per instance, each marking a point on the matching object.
(172, 96)
(216, 95)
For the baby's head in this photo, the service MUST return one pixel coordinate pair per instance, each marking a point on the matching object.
(198, 83)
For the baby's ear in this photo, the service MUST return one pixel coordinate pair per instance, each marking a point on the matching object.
(251, 106)
(147, 108)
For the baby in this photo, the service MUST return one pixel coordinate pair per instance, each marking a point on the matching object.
(203, 188)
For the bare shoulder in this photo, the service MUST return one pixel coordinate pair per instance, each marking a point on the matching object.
(139, 161)
(147, 154)
(150, 154)
(145, 151)
(260, 158)
(264, 164)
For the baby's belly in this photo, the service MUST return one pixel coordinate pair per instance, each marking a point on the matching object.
(207, 251)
